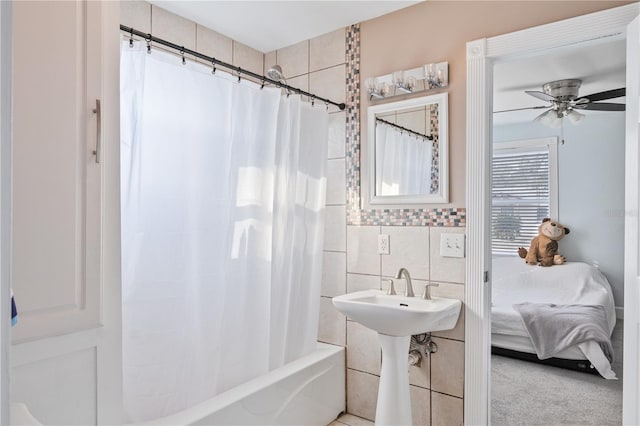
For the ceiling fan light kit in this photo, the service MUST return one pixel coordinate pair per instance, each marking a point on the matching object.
(564, 99)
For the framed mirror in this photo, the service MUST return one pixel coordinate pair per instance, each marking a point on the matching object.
(408, 162)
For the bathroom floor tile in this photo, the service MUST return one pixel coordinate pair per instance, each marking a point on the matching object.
(351, 420)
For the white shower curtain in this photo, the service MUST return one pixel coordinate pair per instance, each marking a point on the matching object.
(403, 162)
(223, 189)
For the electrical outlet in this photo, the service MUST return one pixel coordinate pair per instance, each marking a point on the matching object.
(452, 245)
(383, 244)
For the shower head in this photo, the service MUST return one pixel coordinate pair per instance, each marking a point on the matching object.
(275, 73)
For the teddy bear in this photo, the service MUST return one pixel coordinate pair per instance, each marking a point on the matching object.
(544, 247)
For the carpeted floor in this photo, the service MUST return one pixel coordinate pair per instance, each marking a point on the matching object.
(525, 393)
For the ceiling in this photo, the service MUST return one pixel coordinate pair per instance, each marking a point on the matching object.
(271, 25)
(600, 67)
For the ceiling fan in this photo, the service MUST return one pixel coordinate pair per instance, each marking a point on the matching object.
(564, 102)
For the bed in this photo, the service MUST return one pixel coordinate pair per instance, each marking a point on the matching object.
(574, 283)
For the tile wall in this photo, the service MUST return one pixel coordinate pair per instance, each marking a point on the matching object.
(437, 386)
(351, 261)
(152, 19)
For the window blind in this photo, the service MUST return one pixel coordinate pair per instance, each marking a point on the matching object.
(521, 194)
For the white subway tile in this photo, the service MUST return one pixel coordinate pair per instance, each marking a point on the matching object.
(363, 348)
(327, 50)
(358, 282)
(362, 250)
(362, 394)
(173, 28)
(446, 410)
(409, 248)
(136, 14)
(330, 84)
(214, 44)
(337, 135)
(335, 230)
(336, 182)
(334, 273)
(420, 406)
(248, 58)
(447, 367)
(332, 327)
(449, 269)
(294, 59)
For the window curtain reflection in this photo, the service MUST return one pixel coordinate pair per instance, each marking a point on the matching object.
(223, 189)
(403, 162)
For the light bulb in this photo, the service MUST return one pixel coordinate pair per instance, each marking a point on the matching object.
(370, 85)
(549, 118)
(574, 116)
(397, 78)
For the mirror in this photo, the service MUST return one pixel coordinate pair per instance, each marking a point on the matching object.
(408, 161)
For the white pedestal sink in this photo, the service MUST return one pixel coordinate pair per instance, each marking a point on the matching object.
(396, 318)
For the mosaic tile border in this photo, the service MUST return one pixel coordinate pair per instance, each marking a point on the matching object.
(434, 119)
(377, 217)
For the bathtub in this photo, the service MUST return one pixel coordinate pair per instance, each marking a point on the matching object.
(309, 391)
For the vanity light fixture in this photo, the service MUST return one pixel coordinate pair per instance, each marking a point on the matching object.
(376, 88)
(403, 83)
(426, 77)
(437, 75)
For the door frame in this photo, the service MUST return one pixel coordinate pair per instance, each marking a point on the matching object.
(5, 205)
(630, 391)
(481, 56)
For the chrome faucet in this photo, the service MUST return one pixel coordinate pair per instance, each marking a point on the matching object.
(427, 290)
(408, 290)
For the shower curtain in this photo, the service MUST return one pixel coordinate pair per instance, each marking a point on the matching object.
(223, 193)
(403, 162)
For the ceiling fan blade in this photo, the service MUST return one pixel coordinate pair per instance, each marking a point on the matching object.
(609, 94)
(520, 109)
(540, 95)
(601, 106)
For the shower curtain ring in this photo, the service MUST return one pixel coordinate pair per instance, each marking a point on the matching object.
(148, 39)
(326, 104)
(313, 100)
(184, 61)
(213, 63)
(262, 85)
(239, 76)
(131, 37)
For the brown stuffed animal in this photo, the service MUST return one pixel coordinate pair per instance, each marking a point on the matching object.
(544, 247)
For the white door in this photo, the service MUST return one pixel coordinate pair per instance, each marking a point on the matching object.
(631, 391)
(65, 345)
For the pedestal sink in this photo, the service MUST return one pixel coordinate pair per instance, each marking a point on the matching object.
(396, 318)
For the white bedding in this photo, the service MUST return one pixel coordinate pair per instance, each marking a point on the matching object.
(514, 281)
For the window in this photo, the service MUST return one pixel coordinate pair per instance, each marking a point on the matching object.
(523, 192)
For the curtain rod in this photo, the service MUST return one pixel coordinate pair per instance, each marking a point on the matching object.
(404, 129)
(238, 70)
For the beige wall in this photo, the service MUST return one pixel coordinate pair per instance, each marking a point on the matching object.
(436, 31)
